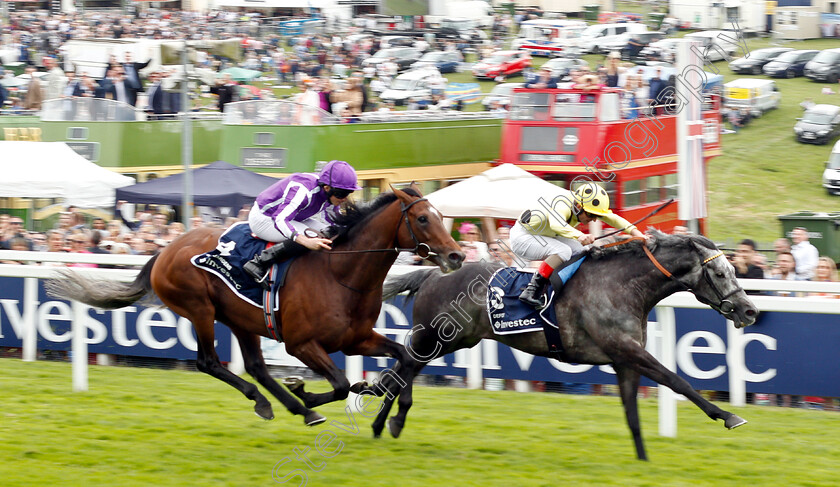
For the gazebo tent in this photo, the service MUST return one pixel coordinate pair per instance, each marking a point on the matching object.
(54, 170)
(504, 191)
(219, 185)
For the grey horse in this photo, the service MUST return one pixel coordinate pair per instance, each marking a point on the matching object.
(602, 317)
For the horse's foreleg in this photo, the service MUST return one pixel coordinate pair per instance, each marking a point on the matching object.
(628, 386)
(255, 365)
(629, 353)
(316, 358)
(208, 362)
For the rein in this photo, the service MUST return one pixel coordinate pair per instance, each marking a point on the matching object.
(640, 220)
(725, 306)
(417, 244)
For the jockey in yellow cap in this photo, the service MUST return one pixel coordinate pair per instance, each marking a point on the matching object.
(548, 233)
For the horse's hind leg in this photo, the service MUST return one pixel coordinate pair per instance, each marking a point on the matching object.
(255, 365)
(208, 362)
(629, 353)
(316, 358)
(628, 386)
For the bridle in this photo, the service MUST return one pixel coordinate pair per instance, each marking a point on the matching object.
(724, 306)
(420, 248)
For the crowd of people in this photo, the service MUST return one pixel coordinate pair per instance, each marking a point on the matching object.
(146, 232)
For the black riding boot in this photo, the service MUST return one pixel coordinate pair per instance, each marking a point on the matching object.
(259, 266)
(532, 295)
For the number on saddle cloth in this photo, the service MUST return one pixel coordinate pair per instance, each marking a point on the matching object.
(236, 247)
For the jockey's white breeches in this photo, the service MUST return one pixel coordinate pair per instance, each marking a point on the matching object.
(538, 247)
(264, 227)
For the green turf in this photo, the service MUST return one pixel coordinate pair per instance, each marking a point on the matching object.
(150, 427)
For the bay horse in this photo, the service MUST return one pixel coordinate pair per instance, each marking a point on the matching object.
(330, 302)
(601, 314)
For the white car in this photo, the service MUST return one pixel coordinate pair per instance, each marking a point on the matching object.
(501, 93)
(411, 84)
(831, 175)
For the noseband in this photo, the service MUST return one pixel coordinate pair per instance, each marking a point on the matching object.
(421, 249)
(724, 306)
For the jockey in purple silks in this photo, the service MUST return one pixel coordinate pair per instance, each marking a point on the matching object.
(293, 210)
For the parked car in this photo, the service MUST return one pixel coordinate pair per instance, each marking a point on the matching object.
(501, 93)
(825, 66)
(716, 45)
(502, 63)
(643, 38)
(757, 95)
(389, 42)
(752, 63)
(595, 38)
(831, 175)
(403, 56)
(444, 61)
(789, 64)
(664, 50)
(560, 67)
(411, 84)
(818, 125)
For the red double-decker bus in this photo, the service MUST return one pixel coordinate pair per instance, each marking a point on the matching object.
(564, 134)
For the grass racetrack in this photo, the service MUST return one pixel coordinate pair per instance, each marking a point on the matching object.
(153, 427)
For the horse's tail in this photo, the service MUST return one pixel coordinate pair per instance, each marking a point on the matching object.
(410, 282)
(101, 293)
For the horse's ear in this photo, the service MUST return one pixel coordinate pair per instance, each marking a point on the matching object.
(400, 194)
(416, 187)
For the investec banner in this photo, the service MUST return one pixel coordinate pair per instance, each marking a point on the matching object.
(785, 353)
(133, 330)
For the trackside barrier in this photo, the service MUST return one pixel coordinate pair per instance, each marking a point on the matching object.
(663, 340)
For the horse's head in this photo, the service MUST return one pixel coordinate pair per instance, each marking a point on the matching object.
(712, 280)
(421, 228)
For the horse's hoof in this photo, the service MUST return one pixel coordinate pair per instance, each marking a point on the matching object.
(312, 418)
(394, 427)
(358, 387)
(293, 382)
(734, 421)
(264, 411)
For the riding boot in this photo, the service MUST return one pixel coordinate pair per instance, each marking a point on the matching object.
(532, 295)
(259, 266)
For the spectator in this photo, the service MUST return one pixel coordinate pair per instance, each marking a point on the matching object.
(743, 262)
(781, 245)
(806, 255)
(472, 245)
(20, 244)
(785, 270)
(543, 81)
(34, 92)
(826, 271)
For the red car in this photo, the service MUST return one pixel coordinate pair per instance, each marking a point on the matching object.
(502, 63)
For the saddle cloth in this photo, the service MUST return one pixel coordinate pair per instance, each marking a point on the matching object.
(236, 247)
(510, 315)
(507, 313)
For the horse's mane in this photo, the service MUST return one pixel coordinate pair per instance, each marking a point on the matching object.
(355, 214)
(660, 239)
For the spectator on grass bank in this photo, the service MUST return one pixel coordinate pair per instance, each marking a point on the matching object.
(826, 271)
(743, 262)
(806, 255)
(785, 270)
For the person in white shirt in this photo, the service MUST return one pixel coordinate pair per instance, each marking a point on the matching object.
(806, 255)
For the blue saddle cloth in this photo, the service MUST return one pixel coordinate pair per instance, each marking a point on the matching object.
(236, 247)
(508, 314)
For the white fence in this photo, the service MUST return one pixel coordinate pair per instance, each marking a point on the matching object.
(664, 331)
